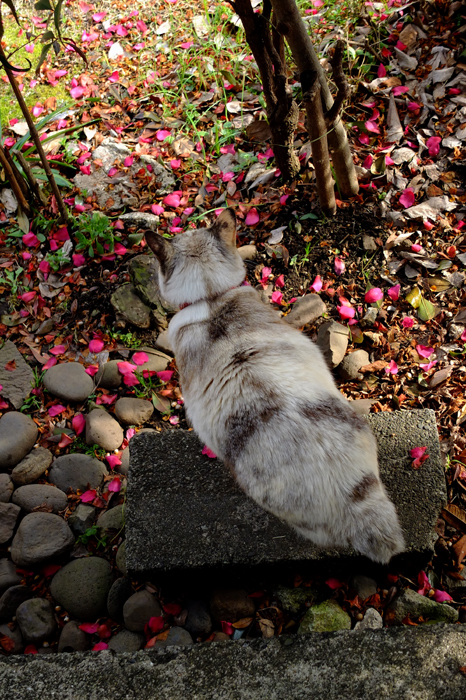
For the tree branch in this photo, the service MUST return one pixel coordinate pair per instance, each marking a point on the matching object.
(341, 83)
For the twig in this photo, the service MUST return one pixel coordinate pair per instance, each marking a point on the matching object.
(340, 82)
(40, 196)
(13, 183)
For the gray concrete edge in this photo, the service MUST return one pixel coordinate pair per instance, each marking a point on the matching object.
(419, 663)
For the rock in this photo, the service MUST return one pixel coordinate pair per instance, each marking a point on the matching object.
(110, 151)
(81, 587)
(111, 520)
(178, 636)
(77, 471)
(124, 458)
(157, 361)
(293, 599)
(82, 519)
(32, 466)
(143, 270)
(221, 637)
(162, 342)
(120, 559)
(126, 302)
(332, 339)
(372, 620)
(108, 376)
(370, 316)
(133, 411)
(198, 622)
(349, 368)
(8, 517)
(141, 219)
(33, 495)
(73, 639)
(306, 310)
(103, 430)
(11, 599)
(69, 381)
(127, 641)
(18, 434)
(364, 586)
(15, 635)
(6, 488)
(8, 575)
(368, 243)
(16, 384)
(248, 252)
(138, 610)
(40, 537)
(410, 603)
(36, 620)
(325, 617)
(231, 605)
(118, 594)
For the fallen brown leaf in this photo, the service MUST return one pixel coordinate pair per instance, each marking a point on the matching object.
(455, 516)
(459, 549)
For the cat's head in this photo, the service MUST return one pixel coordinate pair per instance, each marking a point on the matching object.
(198, 264)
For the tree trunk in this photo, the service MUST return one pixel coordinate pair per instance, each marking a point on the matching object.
(13, 182)
(289, 23)
(282, 111)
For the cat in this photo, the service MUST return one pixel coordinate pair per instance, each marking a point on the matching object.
(260, 395)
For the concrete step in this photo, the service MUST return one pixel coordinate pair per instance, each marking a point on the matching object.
(185, 512)
(419, 663)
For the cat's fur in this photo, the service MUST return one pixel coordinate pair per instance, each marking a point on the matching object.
(260, 395)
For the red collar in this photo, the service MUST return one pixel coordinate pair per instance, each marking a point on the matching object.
(244, 283)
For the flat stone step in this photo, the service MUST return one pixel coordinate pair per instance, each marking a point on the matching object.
(420, 663)
(184, 510)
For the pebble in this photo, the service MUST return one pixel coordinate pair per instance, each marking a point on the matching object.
(408, 602)
(111, 520)
(118, 594)
(368, 243)
(16, 384)
(123, 468)
(11, 599)
(306, 309)
(127, 641)
(351, 364)
(157, 361)
(108, 376)
(40, 537)
(33, 495)
(162, 342)
(82, 519)
(325, 617)
(231, 605)
(372, 620)
(18, 434)
(128, 304)
(73, 639)
(6, 488)
(8, 575)
(36, 620)
(133, 411)
(138, 610)
(81, 587)
(120, 559)
(293, 599)
(363, 586)
(32, 466)
(8, 516)
(177, 636)
(69, 381)
(77, 471)
(221, 637)
(198, 622)
(332, 339)
(15, 635)
(103, 430)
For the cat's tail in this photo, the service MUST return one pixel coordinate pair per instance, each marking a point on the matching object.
(378, 534)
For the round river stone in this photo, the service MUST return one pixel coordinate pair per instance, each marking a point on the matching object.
(39, 537)
(69, 381)
(81, 588)
(18, 434)
(77, 471)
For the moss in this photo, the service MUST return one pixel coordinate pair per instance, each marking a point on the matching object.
(9, 107)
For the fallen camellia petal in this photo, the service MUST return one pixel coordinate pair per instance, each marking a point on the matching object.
(392, 368)
(424, 350)
(172, 609)
(316, 286)
(208, 452)
(100, 646)
(339, 266)
(441, 596)
(373, 295)
(172, 200)
(139, 358)
(96, 345)
(416, 248)
(56, 410)
(227, 628)
(277, 297)
(57, 350)
(394, 292)
(115, 485)
(65, 440)
(88, 496)
(407, 198)
(346, 311)
(78, 423)
(433, 144)
(280, 281)
(334, 583)
(28, 297)
(252, 217)
(89, 627)
(155, 624)
(113, 461)
(126, 368)
(162, 134)
(407, 322)
(165, 375)
(92, 370)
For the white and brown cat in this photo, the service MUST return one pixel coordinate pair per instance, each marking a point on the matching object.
(260, 395)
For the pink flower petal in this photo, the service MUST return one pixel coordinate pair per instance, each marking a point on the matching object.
(115, 484)
(373, 295)
(346, 311)
(99, 16)
(413, 106)
(277, 297)
(392, 368)
(441, 596)
(30, 239)
(113, 461)
(78, 423)
(433, 144)
(78, 260)
(96, 345)
(208, 452)
(334, 583)
(126, 368)
(92, 370)
(407, 322)
(56, 410)
(101, 646)
(162, 134)
(57, 350)
(394, 292)
(28, 297)
(175, 163)
(280, 281)
(165, 375)
(372, 127)
(252, 217)
(128, 161)
(400, 90)
(112, 172)
(77, 92)
(172, 200)
(50, 363)
(89, 628)
(88, 496)
(157, 209)
(382, 71)
(407, 197)
(426, 366)
(424, 350)
(417, 452)
(316, 286)
(139, 358)
(339, 266)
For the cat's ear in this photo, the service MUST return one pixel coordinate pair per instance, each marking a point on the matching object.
(162, 248)
(225, 227)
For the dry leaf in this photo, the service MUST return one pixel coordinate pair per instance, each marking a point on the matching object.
(267, 628)
(460, 550)
(374, 366)
(243, 623)
(258, 131)
(455, 516)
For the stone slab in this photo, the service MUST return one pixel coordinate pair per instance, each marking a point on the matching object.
(17, 384)
(421, 663)
(184, 510)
